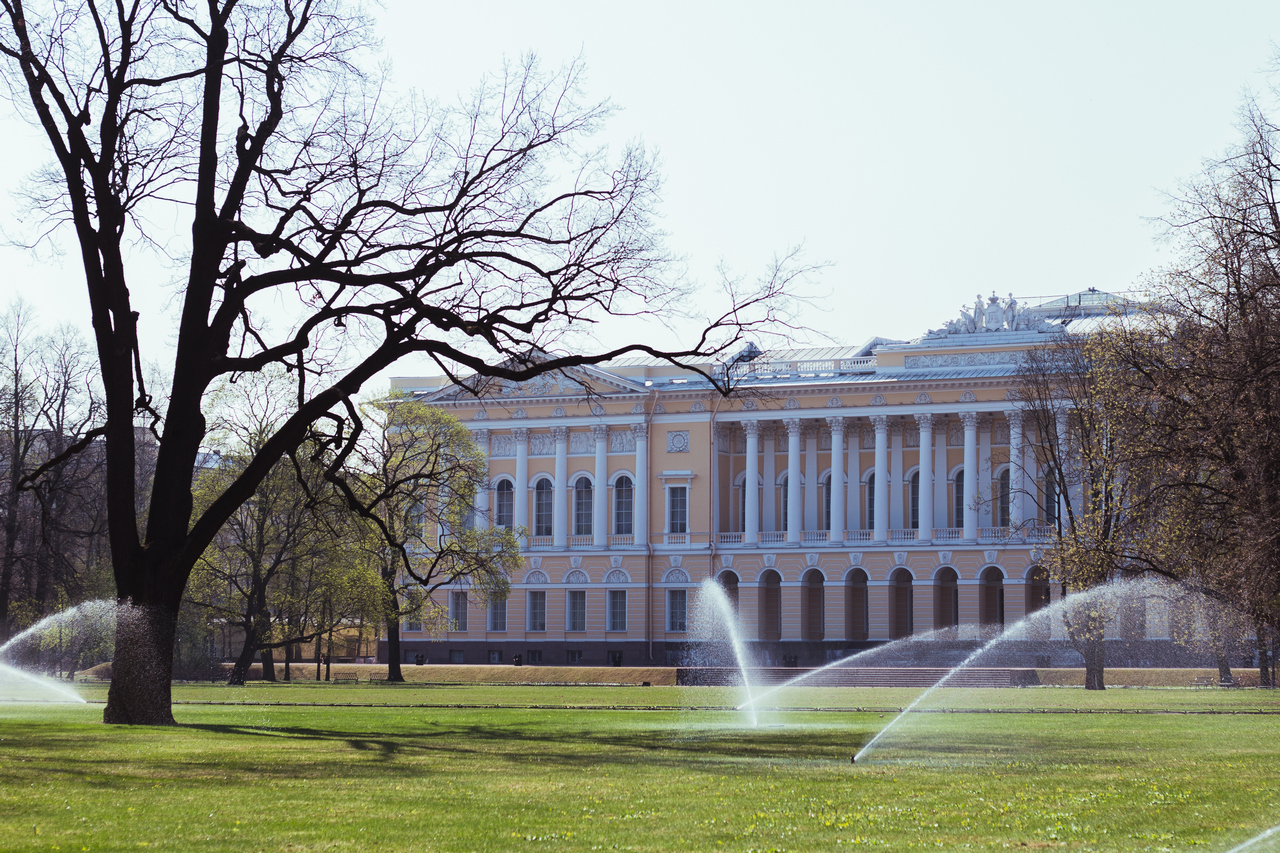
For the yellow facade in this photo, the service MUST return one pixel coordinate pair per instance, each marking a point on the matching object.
(879, 520)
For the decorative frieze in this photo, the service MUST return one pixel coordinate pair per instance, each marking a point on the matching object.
(542, 444)
(622, 441)
(581, 444)
(678, 441)
(502, 446)
(964, 359)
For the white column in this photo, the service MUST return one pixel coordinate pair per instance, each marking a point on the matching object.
(795, 520)
(1014, 417)
(970, 421)
(560, 499)
(896, 521)
(751, 487)
(600, 500)
(940, 508)
(640, 517)
(1064, 461)
(924, 533)
(520, 494)
(769, 499)
(812, 515)
(881, 503)
(837, 479)
(986, 507)
(853, 507)
(481, 437)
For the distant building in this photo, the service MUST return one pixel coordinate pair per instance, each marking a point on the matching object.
(842, 496)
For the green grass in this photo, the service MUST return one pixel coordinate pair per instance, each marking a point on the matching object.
(264, 776)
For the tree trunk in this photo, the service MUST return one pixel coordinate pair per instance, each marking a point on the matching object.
(393, 652)
(394, 675)
(1264, 657)
(141, 670)
(288, 659)
(240, 672)
(1224, 667)
(1094, 653)
(268, 665)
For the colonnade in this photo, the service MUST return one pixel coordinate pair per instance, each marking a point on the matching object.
(845, 500)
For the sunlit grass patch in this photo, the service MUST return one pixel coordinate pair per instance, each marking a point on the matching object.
(311, 777)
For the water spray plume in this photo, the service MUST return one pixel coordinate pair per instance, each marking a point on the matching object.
(713, 596)
(92, 622)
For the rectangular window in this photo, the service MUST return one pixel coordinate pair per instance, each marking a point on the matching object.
(678, 501)
(543, 499)
(623, 507)
(537, 611)
(505, 511)
(533, 656)
(458, 611)
(958, 500)
(573, 656)
(676, 600)
(871, 502)
(413, 624)
(457, 656)
(583, 508)
(498, 615)
(913, 498)
(495, 655)
(617, 610)
(576, 611)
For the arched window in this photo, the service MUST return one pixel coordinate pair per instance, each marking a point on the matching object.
(1002, 507)
(543, 498)
(623, 506)
(915, 500)
(583, 507)
(505, 505)
(871, 502)
(959, 500)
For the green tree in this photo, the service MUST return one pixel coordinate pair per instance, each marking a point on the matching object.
(412, 474)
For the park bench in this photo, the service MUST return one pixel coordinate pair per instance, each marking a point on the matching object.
(344, 679)
(1203, 681)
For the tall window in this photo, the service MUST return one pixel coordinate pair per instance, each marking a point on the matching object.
(617, 610)
(958, 500)
(576, 616)
(676, 601)
(785, 502)
(582, 507)
(623, 506)
(678, 511)
(543, 498)
(537, 610)
(871, 502)
(826, 501)
(1002, 508)
(1050, 502)
(498, 615)
(458, 611)
(505, 505)
(915, 500)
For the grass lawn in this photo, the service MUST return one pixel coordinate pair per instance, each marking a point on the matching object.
(285, 768)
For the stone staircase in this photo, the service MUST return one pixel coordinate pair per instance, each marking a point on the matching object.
(860, 676)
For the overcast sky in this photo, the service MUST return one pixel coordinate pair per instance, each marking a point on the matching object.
(927, 151)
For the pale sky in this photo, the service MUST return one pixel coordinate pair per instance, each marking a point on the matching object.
(927, 151)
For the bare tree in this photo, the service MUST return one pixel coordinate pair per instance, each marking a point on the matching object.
(476, 234)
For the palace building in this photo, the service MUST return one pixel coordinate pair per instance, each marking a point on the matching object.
(843, 497)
